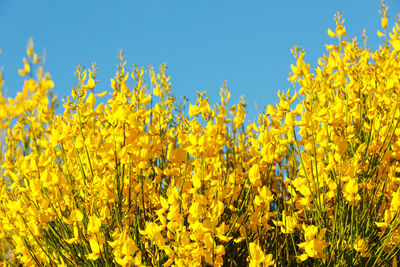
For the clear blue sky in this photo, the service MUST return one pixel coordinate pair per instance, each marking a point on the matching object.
(246, 43)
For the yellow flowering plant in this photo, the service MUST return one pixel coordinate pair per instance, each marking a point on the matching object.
(135, 180)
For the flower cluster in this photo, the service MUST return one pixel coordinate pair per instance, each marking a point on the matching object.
(137, 181)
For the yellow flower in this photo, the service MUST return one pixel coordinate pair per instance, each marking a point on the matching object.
(94, 224)
(75, 239)
(396, 44)
(94, 246)
(258, 258)
(313, 246)
(361, 246)
(76, 216)
(351, 191)
(384, 22)
(193, 110)
(287, 224)
(26, 69)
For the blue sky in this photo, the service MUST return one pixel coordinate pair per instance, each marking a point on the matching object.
(246, 43)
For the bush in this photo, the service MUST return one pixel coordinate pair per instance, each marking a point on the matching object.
(138, 181)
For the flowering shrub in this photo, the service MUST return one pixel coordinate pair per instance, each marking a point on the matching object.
(135, 181)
